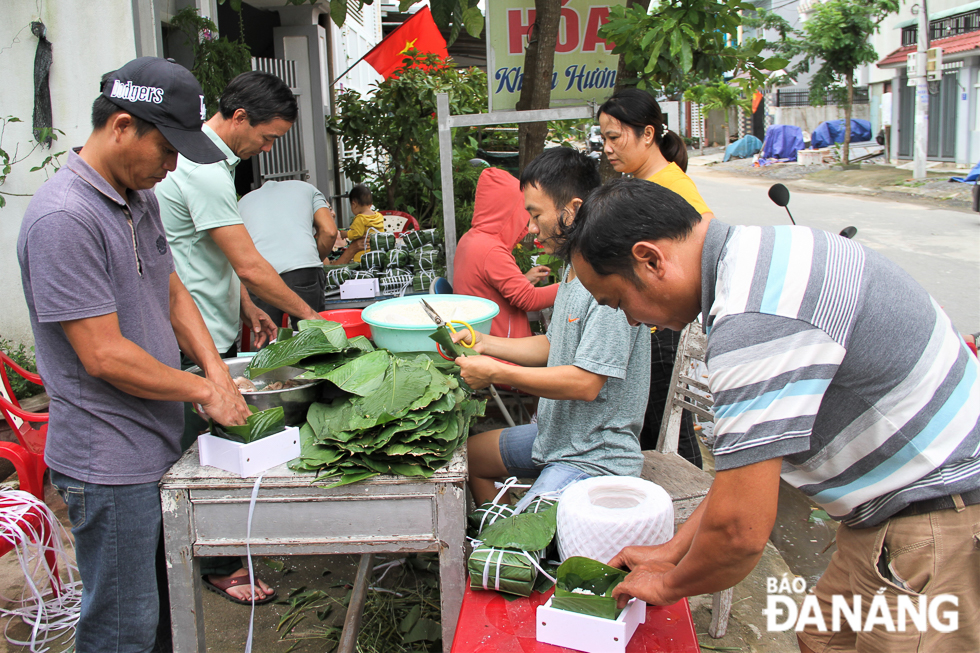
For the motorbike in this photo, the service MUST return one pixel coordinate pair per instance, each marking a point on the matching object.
(779, 194)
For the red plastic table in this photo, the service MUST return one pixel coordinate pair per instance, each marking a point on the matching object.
(489, 623)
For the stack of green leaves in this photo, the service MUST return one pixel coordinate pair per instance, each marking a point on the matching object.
(402, 415)
(510, 550)
(585, 586)
(260, 424)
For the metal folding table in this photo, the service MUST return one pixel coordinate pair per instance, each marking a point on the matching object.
(205, 512)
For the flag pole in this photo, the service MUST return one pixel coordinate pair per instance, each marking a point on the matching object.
(341, 75)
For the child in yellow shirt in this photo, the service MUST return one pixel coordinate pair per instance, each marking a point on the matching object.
(365, 217)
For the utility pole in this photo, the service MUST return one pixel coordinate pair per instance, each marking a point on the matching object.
(921, 96)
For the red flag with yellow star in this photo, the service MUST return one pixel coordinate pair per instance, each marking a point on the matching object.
(418, 32)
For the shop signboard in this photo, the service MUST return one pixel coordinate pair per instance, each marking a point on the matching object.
(585, 68)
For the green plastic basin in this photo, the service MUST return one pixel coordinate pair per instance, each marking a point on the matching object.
(400, 337)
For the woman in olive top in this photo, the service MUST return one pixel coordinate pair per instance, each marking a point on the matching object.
(638, 143)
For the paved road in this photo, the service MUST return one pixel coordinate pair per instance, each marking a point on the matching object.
(939, 248)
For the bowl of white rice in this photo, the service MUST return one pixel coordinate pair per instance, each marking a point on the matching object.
(401, 324)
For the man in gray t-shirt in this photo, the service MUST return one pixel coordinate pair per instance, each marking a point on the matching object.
(592, 369)
(293, 227)
(108, 312)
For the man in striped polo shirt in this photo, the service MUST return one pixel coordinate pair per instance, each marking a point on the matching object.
(830, 367)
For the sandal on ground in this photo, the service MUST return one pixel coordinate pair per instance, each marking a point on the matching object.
(221, 588)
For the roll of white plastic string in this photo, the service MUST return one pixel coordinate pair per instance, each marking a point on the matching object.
(599, 516)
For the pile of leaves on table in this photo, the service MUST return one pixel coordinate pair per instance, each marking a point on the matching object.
(511, 556)
(402, 413)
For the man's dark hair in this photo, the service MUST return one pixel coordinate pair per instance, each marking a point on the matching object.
(264, 97)
(360, 194)
(562, 174)
(620, 214)
(103, 109)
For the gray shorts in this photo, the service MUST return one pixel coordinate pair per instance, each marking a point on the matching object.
(516, 444)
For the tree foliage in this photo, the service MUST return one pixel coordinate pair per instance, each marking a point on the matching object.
(684, 40)
(217, 61)
(835, 37)
(721, 96)
(393, 135)
(450, 15)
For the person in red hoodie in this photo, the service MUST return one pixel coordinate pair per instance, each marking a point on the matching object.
(485, 265)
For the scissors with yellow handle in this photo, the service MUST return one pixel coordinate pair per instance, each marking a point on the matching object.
(431, 312)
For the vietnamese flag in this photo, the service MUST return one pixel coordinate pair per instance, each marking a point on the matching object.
(418, 32)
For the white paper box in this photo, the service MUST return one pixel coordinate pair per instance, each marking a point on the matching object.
(590, 634)
(251, 459)
(359, 289)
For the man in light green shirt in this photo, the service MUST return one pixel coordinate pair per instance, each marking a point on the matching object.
(216, 259)
(213, 253)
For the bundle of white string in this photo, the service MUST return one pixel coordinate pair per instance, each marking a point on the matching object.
(49, 616)
(599, 516)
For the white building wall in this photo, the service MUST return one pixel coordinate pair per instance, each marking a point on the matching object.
(89, 37)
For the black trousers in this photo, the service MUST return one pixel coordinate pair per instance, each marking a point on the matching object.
(663, 352)
(308, 283)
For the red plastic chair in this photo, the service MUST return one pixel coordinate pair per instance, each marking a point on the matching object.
(30, 470)
(32, 432)
(409, 223)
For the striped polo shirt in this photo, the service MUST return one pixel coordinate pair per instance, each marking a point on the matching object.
(828, 354)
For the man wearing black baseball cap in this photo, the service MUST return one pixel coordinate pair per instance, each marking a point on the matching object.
(108, 311)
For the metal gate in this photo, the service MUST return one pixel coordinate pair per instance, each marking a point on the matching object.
(285, 159)
(942, 119)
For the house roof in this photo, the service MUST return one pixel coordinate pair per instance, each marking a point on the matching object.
(950, 45)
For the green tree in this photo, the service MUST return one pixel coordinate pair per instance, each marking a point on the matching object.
(217, 61)
(837, 32)
(835, 37)
(394, 135)
(681, 42)
(725, 97)
(696, 94)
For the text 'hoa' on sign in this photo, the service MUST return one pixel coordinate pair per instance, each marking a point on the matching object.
(585, 68)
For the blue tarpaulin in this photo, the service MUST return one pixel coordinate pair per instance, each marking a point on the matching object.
(782, 142)
(832, 131)
(970, 178)
(743, 148)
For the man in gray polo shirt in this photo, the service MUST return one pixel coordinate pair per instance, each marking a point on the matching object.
(108, 312)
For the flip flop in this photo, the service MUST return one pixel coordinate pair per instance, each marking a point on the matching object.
(221, 588)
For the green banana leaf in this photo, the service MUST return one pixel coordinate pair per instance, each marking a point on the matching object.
(506, 571)
(362, 343)
(528, 531)
(285, 333)
(260, 424)
(592, 576)
(443, 336)
(485, 515)
(333, 330)
(308, 342)
(363, 375)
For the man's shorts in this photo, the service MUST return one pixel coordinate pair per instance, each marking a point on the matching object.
(515, 445)
(920, 557)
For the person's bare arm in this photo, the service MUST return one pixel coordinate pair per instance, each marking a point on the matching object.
(106, 354)
(348, 254)
(562, 382)
(261, 325)
(193, 337)
(256, 273)
(530, 352)
(325, 229)
(732, 533)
